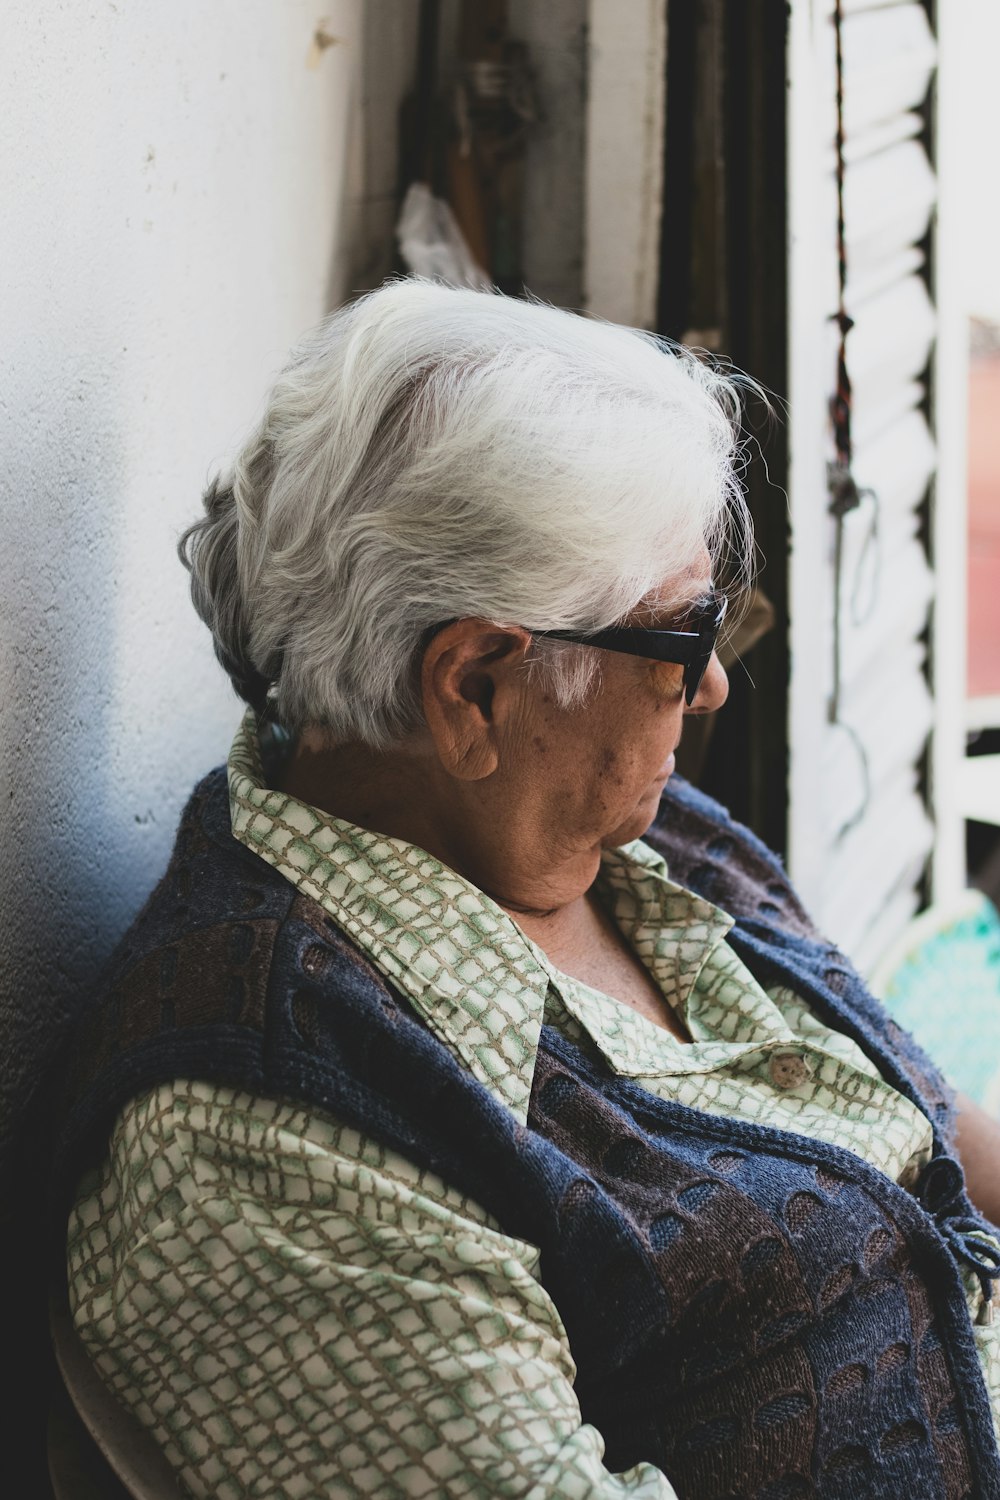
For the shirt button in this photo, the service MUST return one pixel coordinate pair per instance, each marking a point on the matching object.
(788, 1070)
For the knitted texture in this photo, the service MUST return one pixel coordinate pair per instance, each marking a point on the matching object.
(755, 1313)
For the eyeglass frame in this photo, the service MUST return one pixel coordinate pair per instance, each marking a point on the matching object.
(690, 649)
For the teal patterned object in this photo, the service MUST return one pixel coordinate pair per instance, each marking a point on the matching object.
(941, 981)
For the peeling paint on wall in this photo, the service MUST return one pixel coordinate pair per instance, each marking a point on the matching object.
(322, 38)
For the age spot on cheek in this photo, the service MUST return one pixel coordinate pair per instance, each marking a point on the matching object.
(540, 744)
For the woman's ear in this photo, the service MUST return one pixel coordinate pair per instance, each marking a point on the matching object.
(472, 682)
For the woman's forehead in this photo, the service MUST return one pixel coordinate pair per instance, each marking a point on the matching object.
(677, 592)
(684, 587)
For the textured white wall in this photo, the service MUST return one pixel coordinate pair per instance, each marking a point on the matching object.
(184, 193)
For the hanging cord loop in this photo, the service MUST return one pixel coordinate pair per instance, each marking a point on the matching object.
(843, 490)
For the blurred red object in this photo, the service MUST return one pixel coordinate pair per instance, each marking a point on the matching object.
(984, 525)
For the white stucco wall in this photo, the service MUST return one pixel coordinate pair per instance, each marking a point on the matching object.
(184, 189)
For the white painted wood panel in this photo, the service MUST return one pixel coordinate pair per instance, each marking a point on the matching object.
(897, 460)
(905, 589)
(888, 198)
(850, 6)
(900, 909)
(881, 411)
(861, 834)
(879, 137)
(624, 168)
(891, 340)
(889, 56)
(894, 693)
(882, 857)
(897, 713)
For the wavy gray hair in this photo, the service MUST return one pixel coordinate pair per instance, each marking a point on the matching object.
(431, 453)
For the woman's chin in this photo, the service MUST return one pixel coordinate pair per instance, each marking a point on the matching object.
(643, 811)
(635, 825)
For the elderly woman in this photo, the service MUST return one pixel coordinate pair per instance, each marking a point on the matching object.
(435, 1134)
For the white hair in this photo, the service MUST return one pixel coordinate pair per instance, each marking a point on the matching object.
(430, 454)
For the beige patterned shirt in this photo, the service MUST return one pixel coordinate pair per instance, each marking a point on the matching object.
(293, 1309)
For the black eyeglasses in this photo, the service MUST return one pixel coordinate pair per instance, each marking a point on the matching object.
(690, 647)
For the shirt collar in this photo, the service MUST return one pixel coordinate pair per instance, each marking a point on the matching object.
(459, 958)
(467, 968)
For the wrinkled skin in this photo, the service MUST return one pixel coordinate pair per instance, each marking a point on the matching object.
(520, 797)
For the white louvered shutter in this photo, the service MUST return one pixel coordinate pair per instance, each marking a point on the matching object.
(860, 829)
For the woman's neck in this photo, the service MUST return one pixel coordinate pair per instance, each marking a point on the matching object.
(474, 830)
(477, 828)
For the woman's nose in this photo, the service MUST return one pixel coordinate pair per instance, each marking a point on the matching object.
(713, 690)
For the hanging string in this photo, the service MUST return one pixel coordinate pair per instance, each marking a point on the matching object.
(845, 494)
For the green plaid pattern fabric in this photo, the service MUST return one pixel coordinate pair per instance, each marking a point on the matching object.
(292, 1309)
